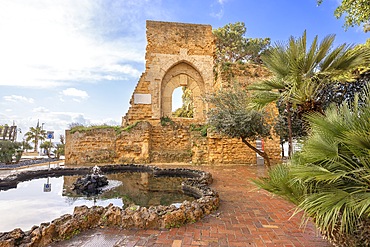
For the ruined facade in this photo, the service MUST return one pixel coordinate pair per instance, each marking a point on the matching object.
(177, 55)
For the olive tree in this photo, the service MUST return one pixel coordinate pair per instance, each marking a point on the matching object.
(232, 116)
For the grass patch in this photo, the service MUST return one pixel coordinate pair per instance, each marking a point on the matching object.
(130, 127)
(165, 121)
(202, 128)
(82, 128)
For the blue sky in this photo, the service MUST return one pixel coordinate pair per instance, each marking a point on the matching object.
(65, 61)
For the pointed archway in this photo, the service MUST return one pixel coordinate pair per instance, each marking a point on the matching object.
(183, 75)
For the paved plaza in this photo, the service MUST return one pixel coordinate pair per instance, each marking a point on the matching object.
(247, 217)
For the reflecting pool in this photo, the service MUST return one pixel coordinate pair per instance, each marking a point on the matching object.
(42, 200)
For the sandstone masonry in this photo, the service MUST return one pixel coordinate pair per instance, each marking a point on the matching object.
(177, 55)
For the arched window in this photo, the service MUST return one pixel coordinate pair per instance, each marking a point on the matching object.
(190, 82)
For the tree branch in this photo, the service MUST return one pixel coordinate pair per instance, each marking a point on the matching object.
(263, 154)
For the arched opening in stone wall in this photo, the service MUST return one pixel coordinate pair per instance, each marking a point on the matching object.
(183, 75)
(182, 103)
(176, 99)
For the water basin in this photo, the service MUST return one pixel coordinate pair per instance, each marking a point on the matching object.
(44, 199)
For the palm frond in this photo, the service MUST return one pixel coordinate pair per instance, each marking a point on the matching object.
(268, 85)
(262, 99)
(279, 183)
(331, 209)
(311, 55)
(324, 48)
(330, 178)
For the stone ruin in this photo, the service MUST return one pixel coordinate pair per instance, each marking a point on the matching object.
(177, 55)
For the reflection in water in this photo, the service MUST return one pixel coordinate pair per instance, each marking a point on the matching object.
(29, 205)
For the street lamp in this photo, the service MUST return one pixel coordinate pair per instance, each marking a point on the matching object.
(42, 128)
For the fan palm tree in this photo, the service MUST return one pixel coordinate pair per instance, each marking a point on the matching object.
(35, 134)
(330, 178)
(300, 71)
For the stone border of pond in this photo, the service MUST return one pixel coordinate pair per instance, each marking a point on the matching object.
(133, 217)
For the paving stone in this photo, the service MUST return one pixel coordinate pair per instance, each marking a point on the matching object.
(246, 217)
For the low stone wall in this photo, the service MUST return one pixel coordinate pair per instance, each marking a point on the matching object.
(93, 146)
(154, 217)
(175, 141)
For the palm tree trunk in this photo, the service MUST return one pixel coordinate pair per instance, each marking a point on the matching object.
(290, 135)
(263, 154)
(36, 144)
(282, 149)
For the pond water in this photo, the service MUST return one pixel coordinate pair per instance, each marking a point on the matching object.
(31, 203)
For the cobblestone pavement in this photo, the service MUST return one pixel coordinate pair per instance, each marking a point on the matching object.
(246, 217)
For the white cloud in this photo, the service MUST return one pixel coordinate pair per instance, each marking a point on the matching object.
(54, 43)
(40, 109)
(75, 93)
(218, 14)
(18, 98)
(217, 10)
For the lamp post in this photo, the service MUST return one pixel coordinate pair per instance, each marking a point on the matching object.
(42, 128)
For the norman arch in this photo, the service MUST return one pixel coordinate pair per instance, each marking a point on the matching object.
(183, 74)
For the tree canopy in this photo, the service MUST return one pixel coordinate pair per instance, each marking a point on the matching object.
(233, 46)
(232, 116)
(357, 13)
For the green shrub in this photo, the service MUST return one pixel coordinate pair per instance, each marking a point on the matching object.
(60, 150)
(8, 149)
(330, 178)
(165, 121)
(203, 129)
(128, 128)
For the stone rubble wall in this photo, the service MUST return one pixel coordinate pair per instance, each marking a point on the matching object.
(154, 143)
(138, 112)
(93, 146)
(134, 144)
(171, 44)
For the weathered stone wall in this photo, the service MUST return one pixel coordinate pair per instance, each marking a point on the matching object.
(171, 143)
(134, 144)
(93, 146)
(229, 151)
(216, 149)
(242, 73)
(109, 145)
(176, 141)
(177, 54)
